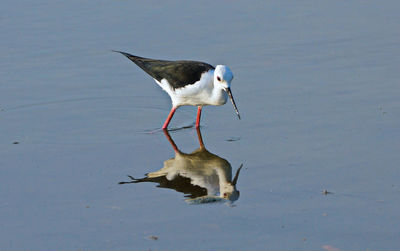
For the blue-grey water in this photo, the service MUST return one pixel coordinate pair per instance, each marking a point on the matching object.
(317, 85)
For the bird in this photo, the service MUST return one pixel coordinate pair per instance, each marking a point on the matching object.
(202, 176)
(188, 82)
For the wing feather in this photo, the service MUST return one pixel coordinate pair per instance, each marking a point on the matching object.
(177, 73)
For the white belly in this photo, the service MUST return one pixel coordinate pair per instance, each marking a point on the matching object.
(201, 93)
(199, 98)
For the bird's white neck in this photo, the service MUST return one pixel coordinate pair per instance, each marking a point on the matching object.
(219, 95)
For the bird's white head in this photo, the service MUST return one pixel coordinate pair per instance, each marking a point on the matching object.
(223, 77)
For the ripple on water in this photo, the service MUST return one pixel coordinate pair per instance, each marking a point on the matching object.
(92, 120)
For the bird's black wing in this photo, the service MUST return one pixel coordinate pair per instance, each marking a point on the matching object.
(177, 73)
(179, 183)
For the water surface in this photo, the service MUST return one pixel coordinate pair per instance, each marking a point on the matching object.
(317, 87)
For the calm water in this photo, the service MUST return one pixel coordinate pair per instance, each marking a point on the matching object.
(317, 85)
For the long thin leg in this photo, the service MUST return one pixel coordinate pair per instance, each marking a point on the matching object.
(198, 116)
(171, 141)
(171, 113)
(200, 138)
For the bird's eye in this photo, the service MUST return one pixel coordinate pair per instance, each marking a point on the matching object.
(218, 78)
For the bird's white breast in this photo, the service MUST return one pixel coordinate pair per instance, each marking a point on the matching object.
(202, 92)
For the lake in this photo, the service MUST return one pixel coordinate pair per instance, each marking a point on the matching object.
(83, 166)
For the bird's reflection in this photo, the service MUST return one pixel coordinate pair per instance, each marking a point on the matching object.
(202, 176)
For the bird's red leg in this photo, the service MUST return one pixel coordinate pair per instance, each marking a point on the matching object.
(171, 113)
(200, 138)
(198, 116)
(171, 141)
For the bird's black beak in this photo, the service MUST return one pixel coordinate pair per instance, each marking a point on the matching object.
(237, 175)
(228, 90)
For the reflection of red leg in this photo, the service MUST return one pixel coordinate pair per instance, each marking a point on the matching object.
(198, 116)
(171, 113)
(200, 138)
(170, 140)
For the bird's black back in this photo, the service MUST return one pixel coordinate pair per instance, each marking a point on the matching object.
(177, 73)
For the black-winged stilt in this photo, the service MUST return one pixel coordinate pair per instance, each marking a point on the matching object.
(189, 82)
(202, 176)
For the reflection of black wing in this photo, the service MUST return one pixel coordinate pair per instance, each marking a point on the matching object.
(179, 184)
